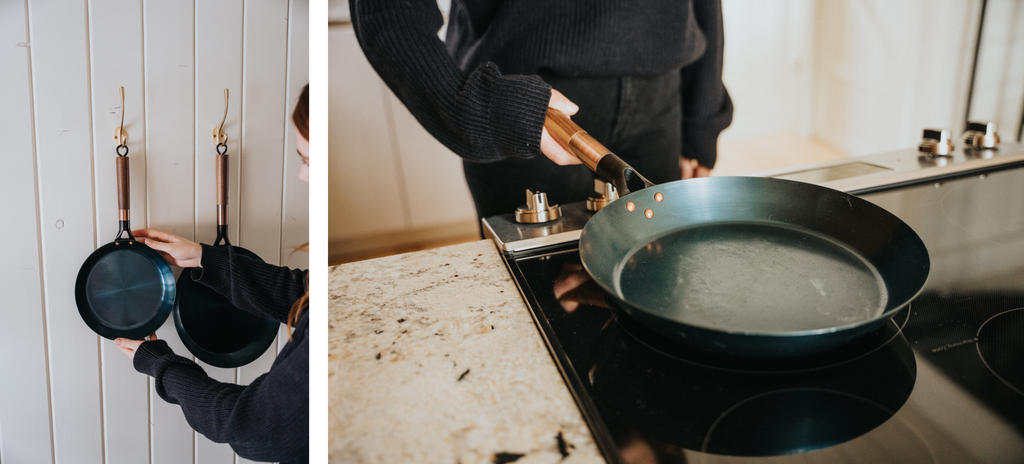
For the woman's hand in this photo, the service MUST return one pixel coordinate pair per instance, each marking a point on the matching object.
(128, 347)
(691, 168)
(176, 250)
(548, 145)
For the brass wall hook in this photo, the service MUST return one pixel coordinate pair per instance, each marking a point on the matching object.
(121, 135)
(219, 136)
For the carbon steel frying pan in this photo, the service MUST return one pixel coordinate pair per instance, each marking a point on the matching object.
(744, 265)
(125, 288)
(213, 329)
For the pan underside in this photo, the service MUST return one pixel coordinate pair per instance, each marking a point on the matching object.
(751, 277)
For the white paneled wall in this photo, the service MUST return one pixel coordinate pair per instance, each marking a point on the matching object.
(863, 76)
(998, 93)
(68, 395)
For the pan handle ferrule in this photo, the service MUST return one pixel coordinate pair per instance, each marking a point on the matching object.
(621, 175)
(222, 234)
(124, 227)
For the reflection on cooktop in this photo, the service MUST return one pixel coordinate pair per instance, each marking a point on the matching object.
(680, 397)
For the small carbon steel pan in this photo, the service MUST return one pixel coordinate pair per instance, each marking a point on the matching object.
(213, 329)
(747, 266)
(124, 288)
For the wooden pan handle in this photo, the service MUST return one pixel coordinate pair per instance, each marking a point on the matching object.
(222, 189)
(123, 188)
(574, 139)
(593, 154)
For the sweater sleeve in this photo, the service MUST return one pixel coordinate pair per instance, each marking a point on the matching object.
(263, 289)
(481, 115)
(266, 420)
(707, 108)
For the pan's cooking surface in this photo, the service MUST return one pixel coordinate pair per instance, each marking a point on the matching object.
(752, 278)
(125, 289)
(214, 323)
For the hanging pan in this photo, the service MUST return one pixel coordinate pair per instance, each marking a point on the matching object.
(125, 288)
(213, 329)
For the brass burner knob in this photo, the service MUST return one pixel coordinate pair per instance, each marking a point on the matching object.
(606, 193)
(981, 135)
(537, 210)
(936, 142)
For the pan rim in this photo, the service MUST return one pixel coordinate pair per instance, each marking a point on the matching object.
(94, 322)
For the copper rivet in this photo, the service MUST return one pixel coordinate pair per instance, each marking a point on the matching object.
(648, 213)
(658, 197)
(630, 206)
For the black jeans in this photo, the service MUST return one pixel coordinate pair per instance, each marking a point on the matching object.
(637, 118)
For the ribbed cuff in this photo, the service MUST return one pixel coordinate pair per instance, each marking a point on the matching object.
(519, 106)
(213, 258)
(503, 115)
(146, 356)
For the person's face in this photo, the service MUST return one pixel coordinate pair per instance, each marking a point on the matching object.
(302, 146)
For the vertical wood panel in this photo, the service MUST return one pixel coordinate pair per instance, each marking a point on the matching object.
(170, 117)
(172, 440)
(24, 404)
(60, 70)
(116, 62)
(295, 221)
(263, 127)
(218, 67)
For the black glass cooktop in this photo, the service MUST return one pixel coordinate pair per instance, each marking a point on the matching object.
(943, 381)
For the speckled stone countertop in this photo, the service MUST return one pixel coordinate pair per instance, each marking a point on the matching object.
(434, 358)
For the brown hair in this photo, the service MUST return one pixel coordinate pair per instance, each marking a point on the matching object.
(300, 304)
(301, 119)
(301, 114)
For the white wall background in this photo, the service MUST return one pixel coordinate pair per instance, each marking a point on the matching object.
(862, 76)
(387, 174)
(999, 84)
(67, 395)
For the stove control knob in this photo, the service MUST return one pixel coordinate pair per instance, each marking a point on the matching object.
(936, 142)
(981, 135)
(537, 210)
(606, 193)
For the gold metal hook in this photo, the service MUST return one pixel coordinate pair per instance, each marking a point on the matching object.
(219, 136)
(121, 135)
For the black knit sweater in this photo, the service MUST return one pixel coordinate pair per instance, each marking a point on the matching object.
(456, 91)
(267, 420)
